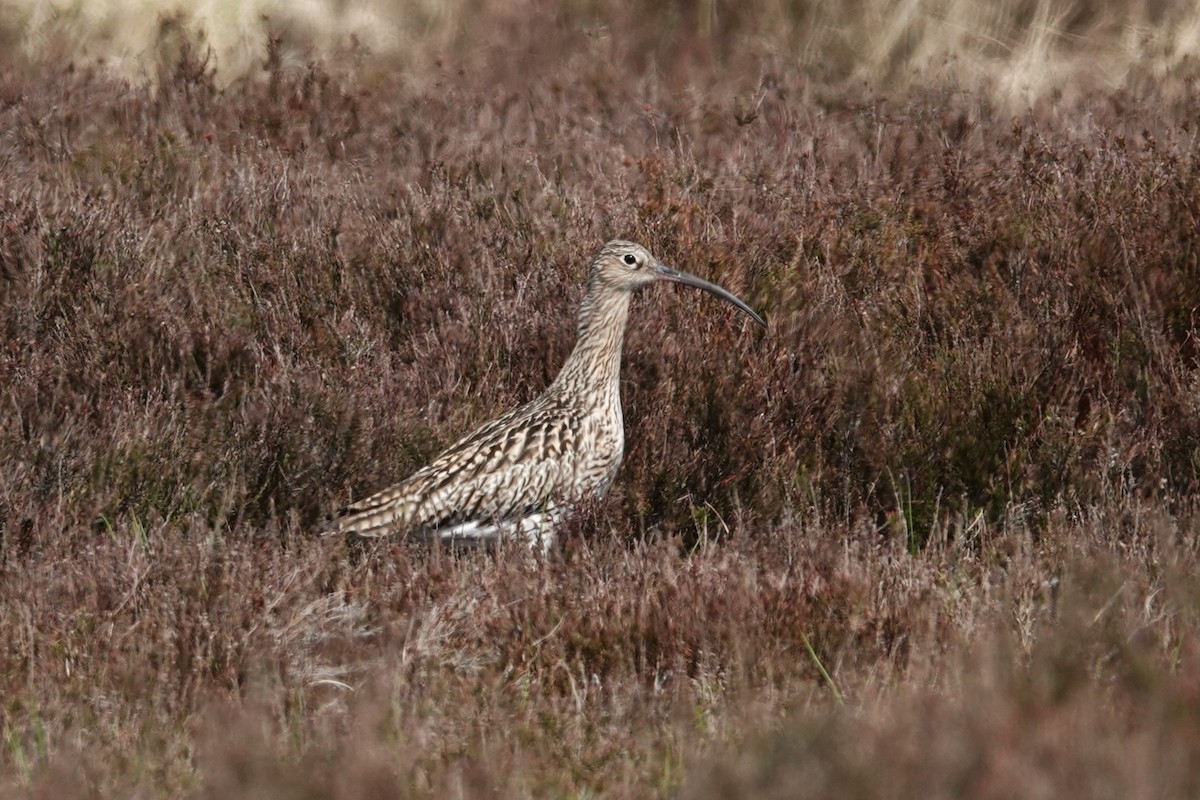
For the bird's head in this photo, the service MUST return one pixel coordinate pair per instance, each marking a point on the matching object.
(627, 266)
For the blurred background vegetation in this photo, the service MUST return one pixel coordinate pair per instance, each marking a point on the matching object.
(1021, 51)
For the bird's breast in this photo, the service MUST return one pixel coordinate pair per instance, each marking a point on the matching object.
(601, 457)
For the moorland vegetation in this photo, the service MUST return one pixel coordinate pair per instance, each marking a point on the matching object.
(934, 533)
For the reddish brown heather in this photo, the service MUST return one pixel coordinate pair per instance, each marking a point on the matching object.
(933, 535)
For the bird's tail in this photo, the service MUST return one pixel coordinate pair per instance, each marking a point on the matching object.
(380, 514)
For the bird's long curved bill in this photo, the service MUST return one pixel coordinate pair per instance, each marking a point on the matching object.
(688, 279)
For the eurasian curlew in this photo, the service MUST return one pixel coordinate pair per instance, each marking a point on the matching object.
(519, 474)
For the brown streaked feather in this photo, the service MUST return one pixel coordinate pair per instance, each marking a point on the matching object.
(512, 466)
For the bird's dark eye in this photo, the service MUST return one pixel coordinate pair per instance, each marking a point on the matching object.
(630, 259)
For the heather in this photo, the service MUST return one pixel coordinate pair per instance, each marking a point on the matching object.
(933, 533)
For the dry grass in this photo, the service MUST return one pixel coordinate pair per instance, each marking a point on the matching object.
(1019, 51)
(934, 533)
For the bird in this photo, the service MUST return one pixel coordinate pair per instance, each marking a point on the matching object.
(520, 474)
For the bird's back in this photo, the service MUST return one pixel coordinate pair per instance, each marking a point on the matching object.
(516, 474)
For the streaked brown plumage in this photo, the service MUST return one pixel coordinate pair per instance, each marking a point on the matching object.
(518, 474)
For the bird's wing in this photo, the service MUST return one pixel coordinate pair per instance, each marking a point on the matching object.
(513, 466)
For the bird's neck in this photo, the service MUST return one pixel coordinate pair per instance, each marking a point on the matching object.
(595, 362)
